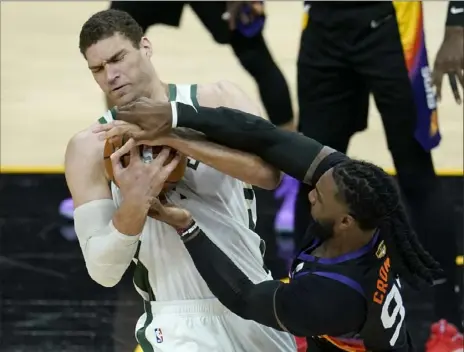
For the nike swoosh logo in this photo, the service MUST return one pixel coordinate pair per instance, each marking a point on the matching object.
(378, 23)
(456, 10)
(438, 282)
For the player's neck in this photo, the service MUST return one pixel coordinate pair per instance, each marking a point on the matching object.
(160, 91)
(340, 245)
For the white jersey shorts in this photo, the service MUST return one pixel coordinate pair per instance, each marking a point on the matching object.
(204, 326)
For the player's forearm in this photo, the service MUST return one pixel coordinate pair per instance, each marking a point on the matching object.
(292, 153)
(455, 15)
(107, 251)
(131, 216)
(240, 165)
(229, 284)
(292, 308)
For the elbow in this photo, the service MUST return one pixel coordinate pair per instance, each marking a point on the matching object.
(103, 278)
(270, 179)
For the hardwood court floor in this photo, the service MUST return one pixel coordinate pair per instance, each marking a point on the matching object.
(47, 92)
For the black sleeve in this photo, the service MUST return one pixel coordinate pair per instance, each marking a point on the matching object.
(296, 155)
(455, 15)
(307, 306)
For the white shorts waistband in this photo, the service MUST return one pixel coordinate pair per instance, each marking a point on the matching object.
(209, 306)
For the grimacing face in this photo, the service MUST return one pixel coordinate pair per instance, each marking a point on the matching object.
(326, 208)
(124, 73)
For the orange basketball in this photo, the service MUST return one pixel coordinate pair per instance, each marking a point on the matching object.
(111, 147)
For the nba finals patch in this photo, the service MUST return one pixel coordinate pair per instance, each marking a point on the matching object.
(381, 250)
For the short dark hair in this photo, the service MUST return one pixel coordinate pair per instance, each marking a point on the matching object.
(105, 24)
(374, 200)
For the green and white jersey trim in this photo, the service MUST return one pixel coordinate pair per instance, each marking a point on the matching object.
(184, 93)
(108, 116)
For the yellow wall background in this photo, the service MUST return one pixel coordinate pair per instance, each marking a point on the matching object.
(48, 94)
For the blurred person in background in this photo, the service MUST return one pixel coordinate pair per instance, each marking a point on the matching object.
(351, 49)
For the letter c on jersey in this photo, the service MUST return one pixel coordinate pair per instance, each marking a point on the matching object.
(382, 282)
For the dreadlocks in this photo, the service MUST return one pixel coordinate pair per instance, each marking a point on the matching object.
(374, 201)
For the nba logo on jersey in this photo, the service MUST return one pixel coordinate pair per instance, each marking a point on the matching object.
(158, 335)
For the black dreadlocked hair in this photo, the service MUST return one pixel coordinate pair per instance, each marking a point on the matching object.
(105, 24)
(374, 201)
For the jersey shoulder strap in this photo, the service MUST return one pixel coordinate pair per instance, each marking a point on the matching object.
(184, 93)
(108, 116)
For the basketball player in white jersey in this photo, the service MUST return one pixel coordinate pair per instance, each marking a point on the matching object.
(181, 314)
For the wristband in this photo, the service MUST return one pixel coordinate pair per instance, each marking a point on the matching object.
(455, 15)
(190, 232)
(174, 114)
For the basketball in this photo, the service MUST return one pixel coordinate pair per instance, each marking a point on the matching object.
(111, 147)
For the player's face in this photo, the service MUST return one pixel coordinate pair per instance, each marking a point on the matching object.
(123, 72)
(327, 208)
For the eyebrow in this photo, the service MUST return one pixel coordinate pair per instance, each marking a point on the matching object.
(111, 59)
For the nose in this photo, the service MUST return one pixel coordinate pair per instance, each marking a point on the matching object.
(112, 74)
(312, 197)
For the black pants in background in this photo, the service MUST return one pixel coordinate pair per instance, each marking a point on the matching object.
(342, 58)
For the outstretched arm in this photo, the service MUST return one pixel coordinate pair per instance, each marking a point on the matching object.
(292, 153)
(243, 166)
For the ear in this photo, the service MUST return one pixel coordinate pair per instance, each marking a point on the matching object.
(145, 46)
(346, 222)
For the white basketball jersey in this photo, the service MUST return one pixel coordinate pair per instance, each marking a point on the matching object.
(224, 208)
